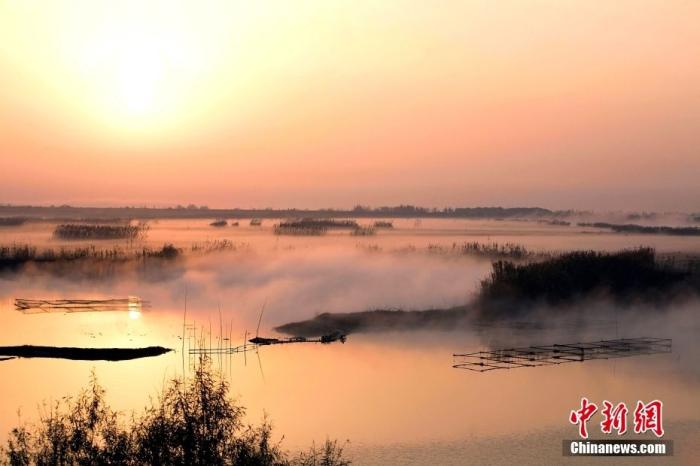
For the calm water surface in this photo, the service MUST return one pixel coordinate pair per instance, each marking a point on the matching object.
(395, 396)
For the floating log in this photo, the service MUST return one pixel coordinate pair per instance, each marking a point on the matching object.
(82, 354)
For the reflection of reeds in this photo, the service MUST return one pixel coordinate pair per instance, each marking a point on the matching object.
(76, 231)
(40, 306)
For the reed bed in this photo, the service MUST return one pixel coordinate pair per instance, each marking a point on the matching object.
(12, 221)
(219, 245)
(20, 254)
(364, 231)
(383, 224)
(74, 231)
(642, 229)
(327, 223)
(622, 276)
(219, 223)
(298, 230)
(487, 250)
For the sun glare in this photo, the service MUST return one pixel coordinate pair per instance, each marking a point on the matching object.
(132, 65)
(140, 71)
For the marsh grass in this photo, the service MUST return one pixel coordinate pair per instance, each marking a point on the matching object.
(626, 277)
(364, 231)
(647, 230)
(327, 223)
(217, 245)
(299, 230)
(20, 254)
(75, 231)
(192, 422)
(12, 221)
(486, 250)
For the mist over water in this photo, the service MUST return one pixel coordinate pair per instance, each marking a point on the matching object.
(397, 382)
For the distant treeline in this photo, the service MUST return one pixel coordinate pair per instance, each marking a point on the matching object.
(66, 212)
(643, 229)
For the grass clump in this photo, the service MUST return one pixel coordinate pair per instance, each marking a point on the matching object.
(74, 231)
(645, 230)
(12, 221)
(624, 276)
(17, 255)
(319, 223)
(299, 230)
(364, 231)
(486, 250)
(191, 423)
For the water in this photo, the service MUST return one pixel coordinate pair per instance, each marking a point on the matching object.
(394, 395)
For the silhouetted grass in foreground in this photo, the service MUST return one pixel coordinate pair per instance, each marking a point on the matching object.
(191, 423)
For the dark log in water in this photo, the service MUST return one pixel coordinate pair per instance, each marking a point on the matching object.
(82, 354)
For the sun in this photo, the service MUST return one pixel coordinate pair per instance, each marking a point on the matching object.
(141, 71)
(141, 67)
(139, 76)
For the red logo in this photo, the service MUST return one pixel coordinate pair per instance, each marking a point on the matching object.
(647, 417)
(582, 416)
(614, 418)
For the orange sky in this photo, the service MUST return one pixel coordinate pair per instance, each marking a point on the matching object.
(580, 104)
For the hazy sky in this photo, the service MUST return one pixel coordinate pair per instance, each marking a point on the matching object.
(561, 103)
